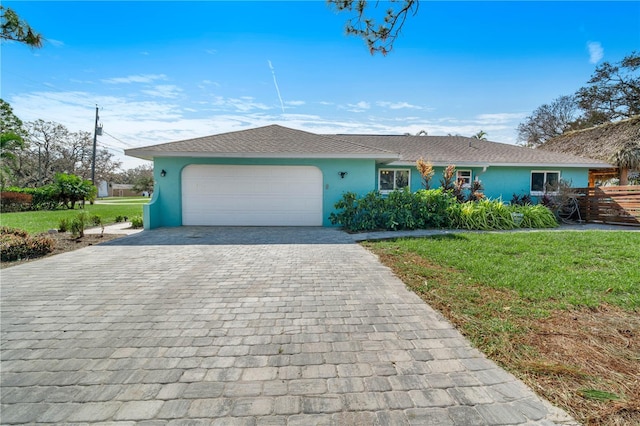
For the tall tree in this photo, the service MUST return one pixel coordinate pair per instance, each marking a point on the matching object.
(9, 122)
(16, 29)
(379, 33)
(548, 121)
(51, 148)
(11, 141)
(613, 92)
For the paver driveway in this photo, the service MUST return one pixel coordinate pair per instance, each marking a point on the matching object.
(265, 326)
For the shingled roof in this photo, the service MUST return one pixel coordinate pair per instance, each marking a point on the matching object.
(600, 142)
(276, 141)
(264, 142)
(464, 151)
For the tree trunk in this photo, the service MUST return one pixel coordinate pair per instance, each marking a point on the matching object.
(624, 176)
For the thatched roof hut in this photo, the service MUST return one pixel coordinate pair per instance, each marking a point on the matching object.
(601, 143)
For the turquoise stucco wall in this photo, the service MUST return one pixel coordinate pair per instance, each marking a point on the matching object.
(165, 208)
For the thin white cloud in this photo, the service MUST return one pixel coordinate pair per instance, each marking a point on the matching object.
(596, 52)
(242, 104)
(167, 91)
(397, 105)
(55, 43)
(358, 107)
(143, 78)
(499, 118)
(211, 51)
(147, 121)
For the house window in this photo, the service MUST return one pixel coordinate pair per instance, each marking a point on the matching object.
(465, 177)
(543, 182)
(389, 179)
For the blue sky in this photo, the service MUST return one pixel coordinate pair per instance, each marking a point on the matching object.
(165, 71)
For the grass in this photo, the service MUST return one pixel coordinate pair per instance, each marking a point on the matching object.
(123, 200)
(42, 221)
(558, 309)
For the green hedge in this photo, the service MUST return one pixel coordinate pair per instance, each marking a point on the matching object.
(43, 198)
(15, 202)
(434, 208)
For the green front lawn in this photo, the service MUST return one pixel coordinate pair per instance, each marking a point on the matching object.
(42, 221)
(558, 309)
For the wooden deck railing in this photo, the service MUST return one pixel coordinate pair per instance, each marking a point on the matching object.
(610, 204)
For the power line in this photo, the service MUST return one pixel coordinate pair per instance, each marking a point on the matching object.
(119, 140)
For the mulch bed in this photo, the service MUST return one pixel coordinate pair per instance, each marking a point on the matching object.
(66, 243)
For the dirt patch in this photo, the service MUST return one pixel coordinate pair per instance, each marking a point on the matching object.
(589, 362)
(66, 243)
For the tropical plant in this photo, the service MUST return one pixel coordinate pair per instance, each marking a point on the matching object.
(426, 172)
(627, 158)
(481, 135)
(447, 182)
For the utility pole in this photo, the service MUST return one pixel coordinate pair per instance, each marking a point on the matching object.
(96, 131)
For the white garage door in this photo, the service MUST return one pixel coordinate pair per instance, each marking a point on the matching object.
(251, 195)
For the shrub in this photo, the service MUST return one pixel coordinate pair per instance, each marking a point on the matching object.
(434, 208)
(16, 244)
(97, 221)
(398, 210)
(434, 205)
(5, 230)
(72, 188)
(136, 222)
(521, 200)
(79, 224)
(119, 219)
(64, 225)
(15, 202)
(46, 198)
(495, 215)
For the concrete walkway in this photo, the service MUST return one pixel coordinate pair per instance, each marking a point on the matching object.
(239, 326)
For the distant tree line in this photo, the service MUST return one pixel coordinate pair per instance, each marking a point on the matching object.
(612, 93)
(34, 153)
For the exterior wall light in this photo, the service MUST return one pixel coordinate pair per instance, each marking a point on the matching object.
(342, 174)
(163, 173)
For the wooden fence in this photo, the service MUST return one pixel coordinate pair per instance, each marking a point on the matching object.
(610, 204)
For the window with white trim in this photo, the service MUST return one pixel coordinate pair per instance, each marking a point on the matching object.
(465, 177)
(392, 179)
(544, 182)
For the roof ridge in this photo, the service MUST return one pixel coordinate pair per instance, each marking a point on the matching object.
(360, 145)
(601, 126)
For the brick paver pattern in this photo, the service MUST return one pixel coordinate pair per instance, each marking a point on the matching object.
(240, 326)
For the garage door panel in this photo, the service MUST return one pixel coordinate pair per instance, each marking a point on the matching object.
(252, 195)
